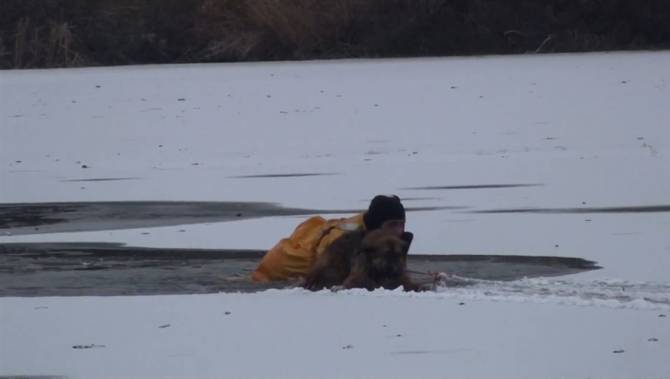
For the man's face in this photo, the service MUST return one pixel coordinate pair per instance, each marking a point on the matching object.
(397, 227)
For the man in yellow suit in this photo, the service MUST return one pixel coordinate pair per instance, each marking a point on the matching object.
(292, 257)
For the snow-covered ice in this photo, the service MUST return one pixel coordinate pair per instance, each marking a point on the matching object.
(295, 334)
(586, 133)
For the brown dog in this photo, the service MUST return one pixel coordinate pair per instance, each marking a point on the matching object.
(362, 260)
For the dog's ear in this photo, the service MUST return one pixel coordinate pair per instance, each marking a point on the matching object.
(407, 238)
(403, 245)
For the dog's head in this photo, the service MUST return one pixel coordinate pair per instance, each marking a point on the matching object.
(385, 253)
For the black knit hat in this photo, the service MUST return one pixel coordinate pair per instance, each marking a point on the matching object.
(383, 208)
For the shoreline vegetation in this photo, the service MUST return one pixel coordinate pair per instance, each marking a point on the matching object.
(77, 33)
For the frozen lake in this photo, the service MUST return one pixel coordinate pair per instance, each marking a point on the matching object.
(561, 156)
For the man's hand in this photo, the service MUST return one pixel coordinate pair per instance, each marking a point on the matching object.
(440, 280)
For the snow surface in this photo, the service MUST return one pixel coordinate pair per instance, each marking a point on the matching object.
(588, 130)
(295, 334)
